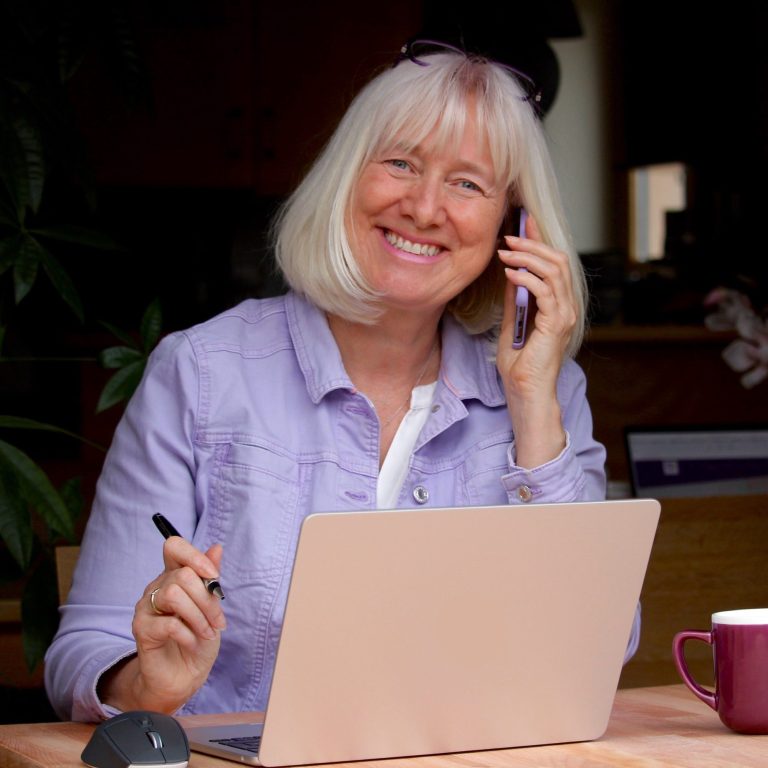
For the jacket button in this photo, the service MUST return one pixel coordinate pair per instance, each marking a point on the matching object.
(421, 494)
(524, 493)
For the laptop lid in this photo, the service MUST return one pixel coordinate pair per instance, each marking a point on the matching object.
(427, 631)
(701, 460)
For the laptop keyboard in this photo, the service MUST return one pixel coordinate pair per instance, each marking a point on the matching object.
(246, 743)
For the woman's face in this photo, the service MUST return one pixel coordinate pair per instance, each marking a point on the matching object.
(422, 224)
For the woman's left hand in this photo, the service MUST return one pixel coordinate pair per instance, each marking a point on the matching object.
(530, 374)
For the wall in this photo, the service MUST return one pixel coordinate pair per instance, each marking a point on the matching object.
(583, 126)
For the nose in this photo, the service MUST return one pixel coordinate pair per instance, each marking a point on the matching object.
(424, 202)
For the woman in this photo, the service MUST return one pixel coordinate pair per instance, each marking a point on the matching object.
(385, 378)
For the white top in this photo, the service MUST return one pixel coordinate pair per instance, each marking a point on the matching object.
(395, 467)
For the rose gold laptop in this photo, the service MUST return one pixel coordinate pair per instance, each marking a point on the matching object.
(428, 631)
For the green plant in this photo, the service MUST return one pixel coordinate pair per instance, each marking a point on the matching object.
(35, 516)
(129, 359)
(24, 487)
(42, 46)
(42, 168)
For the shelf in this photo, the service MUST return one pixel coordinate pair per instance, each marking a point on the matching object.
(665, 334)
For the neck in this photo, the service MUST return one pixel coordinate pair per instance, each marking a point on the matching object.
(394, 347)
(386, 361)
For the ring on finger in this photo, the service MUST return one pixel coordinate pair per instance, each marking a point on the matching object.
(152, 602)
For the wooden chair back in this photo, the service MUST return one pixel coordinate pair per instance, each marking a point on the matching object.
(66, 559)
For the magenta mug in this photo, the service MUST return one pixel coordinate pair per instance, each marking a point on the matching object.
(739, 641)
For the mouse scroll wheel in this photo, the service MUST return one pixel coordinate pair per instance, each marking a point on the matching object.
(155, 738)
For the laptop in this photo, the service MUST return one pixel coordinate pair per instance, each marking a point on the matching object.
(430, 631)
(701, 460)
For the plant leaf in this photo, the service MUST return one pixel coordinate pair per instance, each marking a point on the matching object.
(69, 50)
(15, 522)
(21, 160)
(25, 266)
(79, 236)
(36, 488)
(20, 422)
(71, 492)
(7, 222)
(151, 323)
(119, 357)
(39, 614)
(68, 65)
(124, 336)
(8, 217)
(121, 386)
(8, 248)
(62, 283)
(127, 59)
(13, 172)
(31, 145)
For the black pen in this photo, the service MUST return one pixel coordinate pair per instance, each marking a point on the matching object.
(212, 585)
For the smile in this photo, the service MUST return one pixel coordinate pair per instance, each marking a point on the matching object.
(418, 249)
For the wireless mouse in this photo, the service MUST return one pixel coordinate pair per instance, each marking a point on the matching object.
(137, 738)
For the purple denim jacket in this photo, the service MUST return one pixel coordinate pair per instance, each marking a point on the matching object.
(241, 427)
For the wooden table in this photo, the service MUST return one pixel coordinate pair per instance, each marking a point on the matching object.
(659, 726)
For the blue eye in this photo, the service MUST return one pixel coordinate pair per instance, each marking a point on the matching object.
(399, 164)
(469, 185)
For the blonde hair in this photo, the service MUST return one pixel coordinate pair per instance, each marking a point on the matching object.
(406, 104)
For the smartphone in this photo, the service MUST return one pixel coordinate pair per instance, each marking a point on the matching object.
(521, 297)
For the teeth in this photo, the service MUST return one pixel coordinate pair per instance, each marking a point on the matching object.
(407, 245)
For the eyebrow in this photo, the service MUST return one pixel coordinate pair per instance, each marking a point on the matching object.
(474, 168)
(463, 165)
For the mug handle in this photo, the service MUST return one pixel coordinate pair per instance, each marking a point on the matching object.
(678, 651)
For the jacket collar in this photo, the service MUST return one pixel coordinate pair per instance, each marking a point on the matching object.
(467, 368)
(316, 350)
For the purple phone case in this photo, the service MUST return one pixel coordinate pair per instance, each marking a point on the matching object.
(521, 298)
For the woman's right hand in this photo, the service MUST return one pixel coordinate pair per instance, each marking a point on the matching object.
(530, 374)
(177, 638)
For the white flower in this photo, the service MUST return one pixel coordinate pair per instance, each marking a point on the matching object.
(743, 356)
(748, 355)
(730, 306)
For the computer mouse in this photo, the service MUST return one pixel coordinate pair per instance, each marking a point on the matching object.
(137, 738)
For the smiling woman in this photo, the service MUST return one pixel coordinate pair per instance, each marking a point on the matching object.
(423, 223)
(395, 114)
(386, 377)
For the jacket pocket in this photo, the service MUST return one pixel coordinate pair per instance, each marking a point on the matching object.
(483, 469)
(256, 499)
